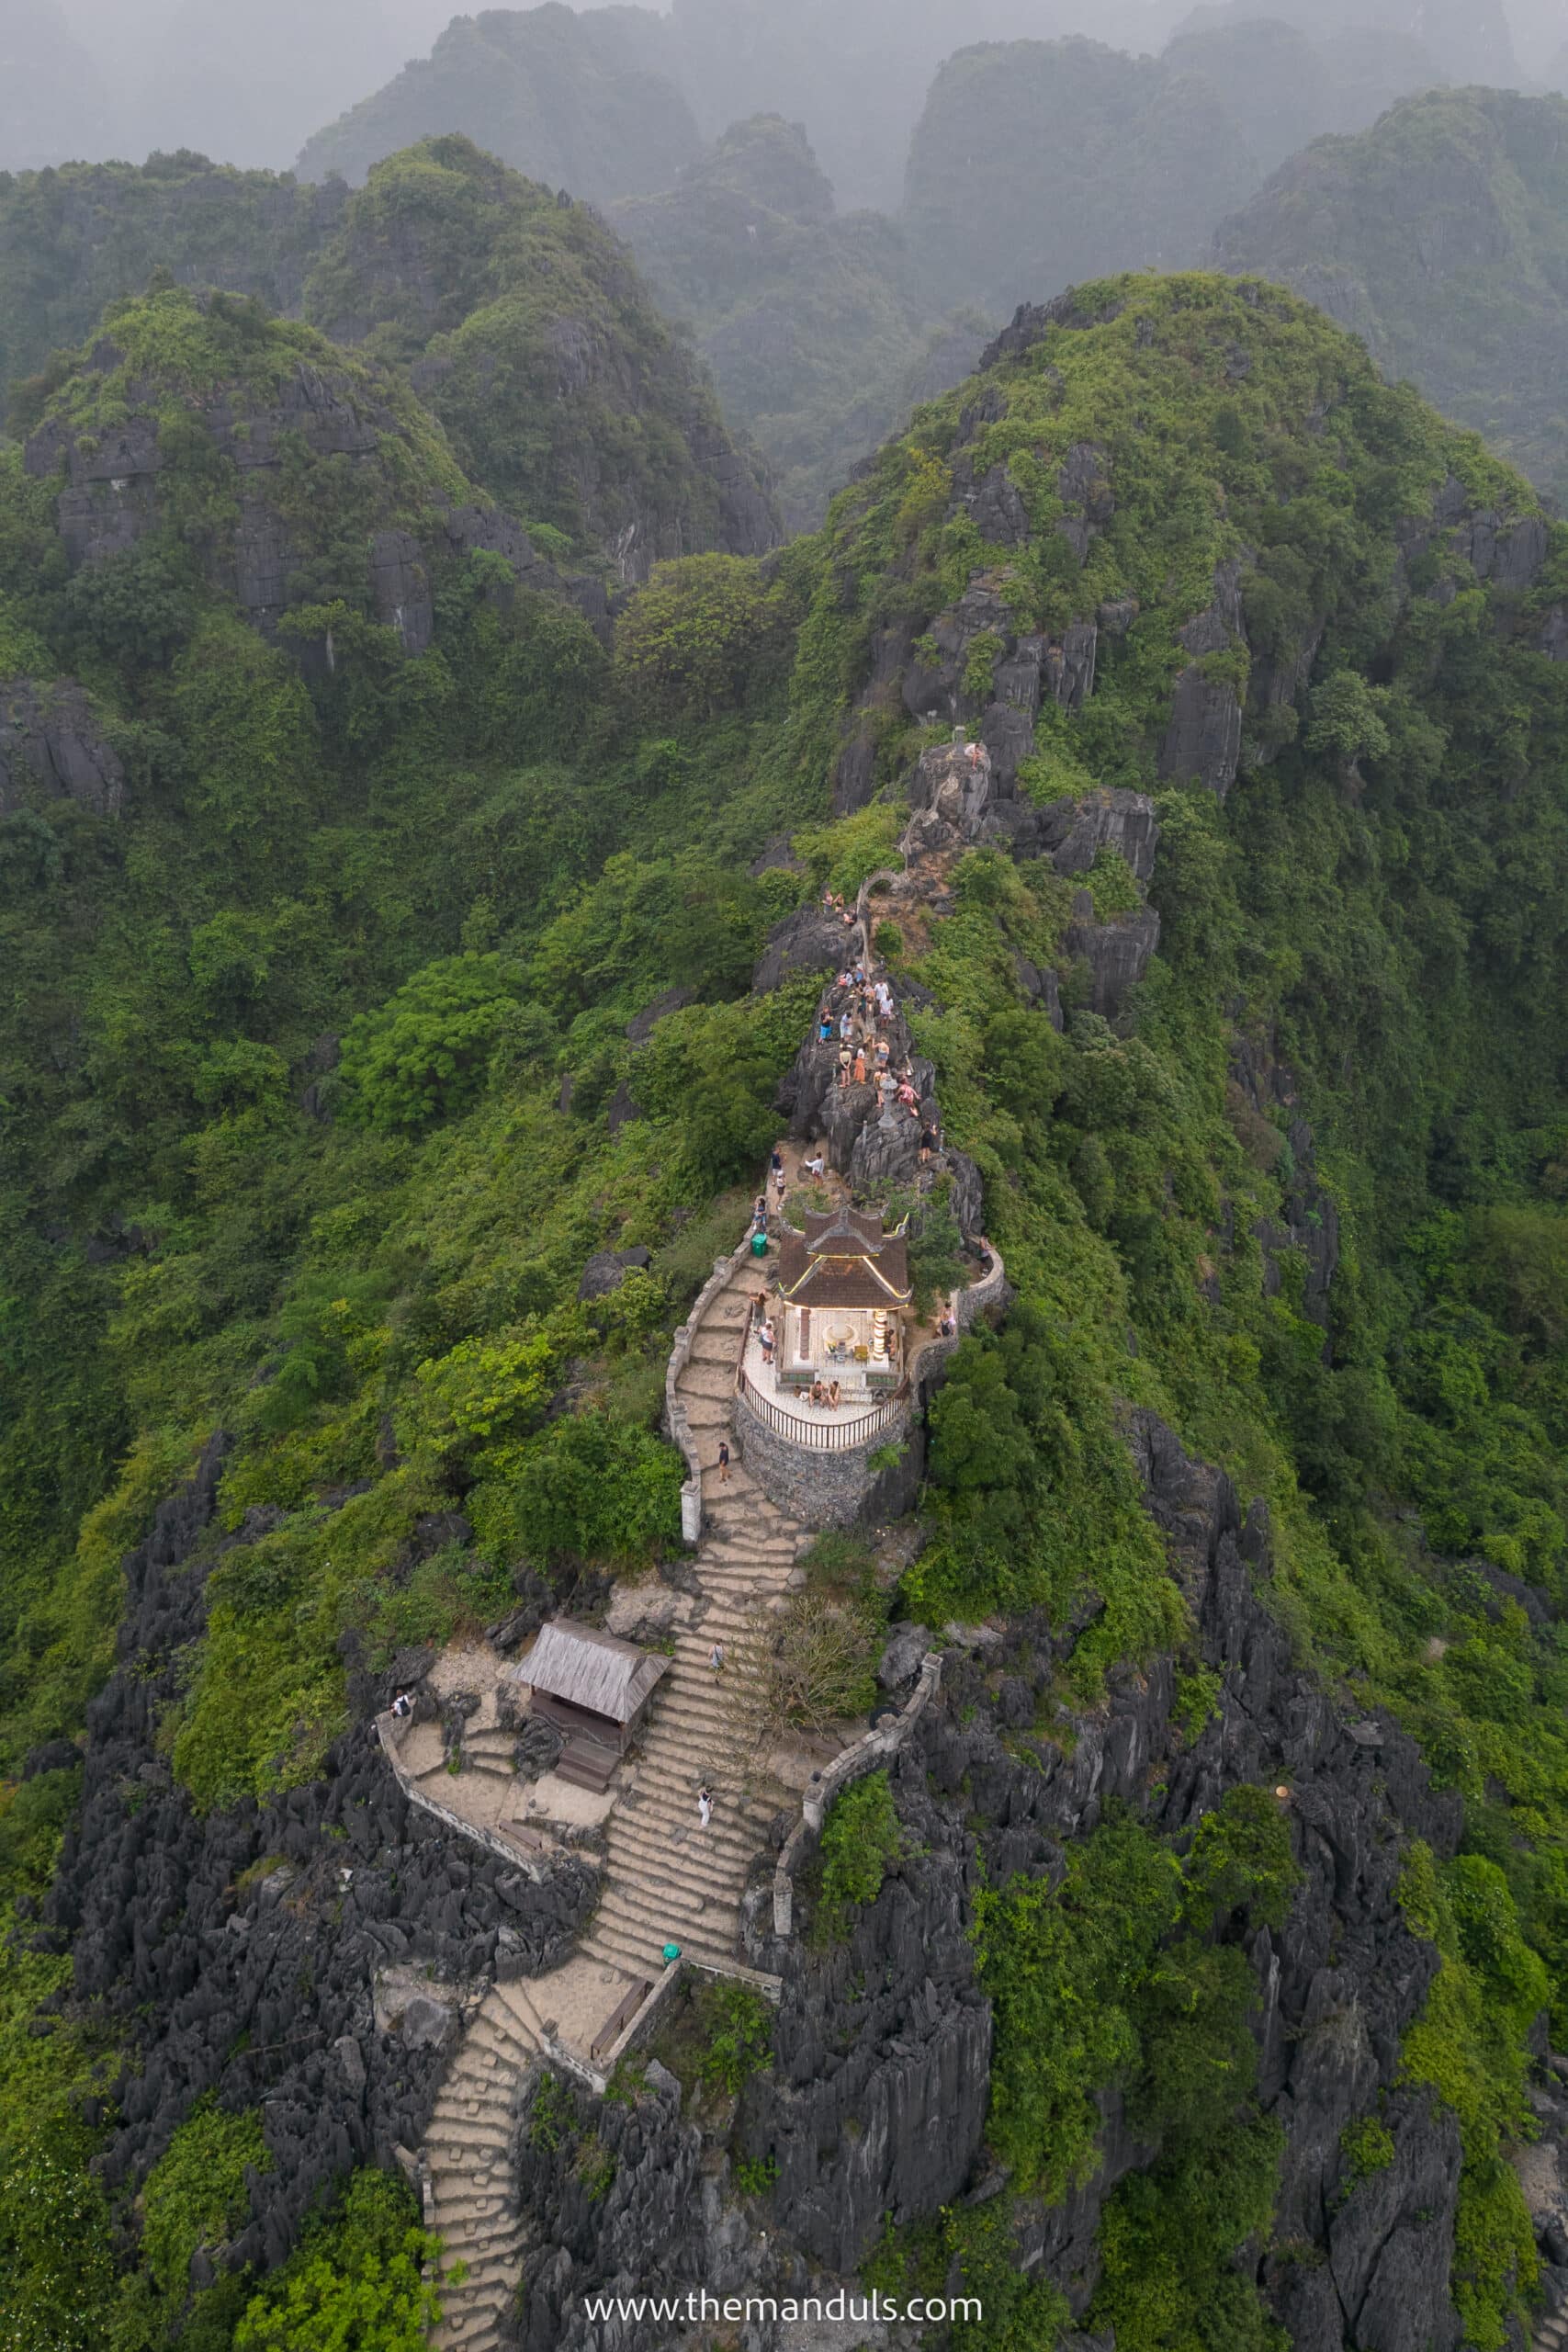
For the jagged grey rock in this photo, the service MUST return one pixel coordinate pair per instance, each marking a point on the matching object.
(50, 737)
(1117, 952)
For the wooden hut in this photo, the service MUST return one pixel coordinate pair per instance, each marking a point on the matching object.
(594, 1689)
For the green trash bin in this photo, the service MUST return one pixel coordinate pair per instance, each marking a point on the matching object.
(759, 1245)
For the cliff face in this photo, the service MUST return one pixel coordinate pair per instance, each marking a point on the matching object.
(1337, 1987)
(1438, 237)
(292, 438)
(318, 1953)
(876, 2103)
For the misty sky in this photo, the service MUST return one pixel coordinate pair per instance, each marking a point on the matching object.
(249, 81)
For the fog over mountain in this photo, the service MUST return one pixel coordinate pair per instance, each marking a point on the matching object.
(250, 85)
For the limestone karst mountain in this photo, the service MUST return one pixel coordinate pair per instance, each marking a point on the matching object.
(1441, 235)
(514, 312)
(1137, 1897)
(1037, 163)
(584, 99)
(816, 325)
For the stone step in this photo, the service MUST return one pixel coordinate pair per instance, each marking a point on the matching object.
(674, 1906)
(732, 1841)
(693, 1918)
(646, 1870)
(713, 1903)
(653, 1830)
(644, 1951)
(481, 2133)
(704, 1741)
(740, 1582)
(464, 2210)
(499, 2052)
(716, 1349)
(708, 1413)
(738, 1512)
(735, 1552)
(482, 2336)
(490, 2106)
(736, 1817)
(516, 2000)
(497, 2018)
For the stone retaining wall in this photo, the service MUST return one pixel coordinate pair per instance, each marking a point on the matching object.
(824, 1489)
(869, 1754)
(818, 1489)
(676, 1420)
(533, 1866)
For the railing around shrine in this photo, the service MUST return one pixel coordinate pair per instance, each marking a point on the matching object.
(821, 1437)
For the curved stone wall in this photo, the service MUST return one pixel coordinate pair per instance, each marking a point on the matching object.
(820, 1489)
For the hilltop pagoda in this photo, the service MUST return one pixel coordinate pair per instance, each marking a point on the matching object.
(845, 1298)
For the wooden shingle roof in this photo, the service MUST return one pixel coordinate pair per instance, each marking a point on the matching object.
(590, 1669)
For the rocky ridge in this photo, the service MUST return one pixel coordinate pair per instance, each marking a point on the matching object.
(316, 1953)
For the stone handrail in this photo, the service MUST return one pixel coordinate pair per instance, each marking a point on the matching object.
(391, 1734)
(675, 1416)
(975, 1300)
(868, 1754)
(822, 1437)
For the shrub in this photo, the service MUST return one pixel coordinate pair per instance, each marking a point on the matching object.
(424, 1055)
(811, 1667)
(196, 2192)
(690, 639)
(739, 2028)
(1241, 1861)
(1367, 2147)
(861, 1841)
(1111, 882)
(588, 1487)
(482, 1388)
(356, 2283)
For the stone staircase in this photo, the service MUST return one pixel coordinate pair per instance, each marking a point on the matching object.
(666, 1879)
(470, 2204)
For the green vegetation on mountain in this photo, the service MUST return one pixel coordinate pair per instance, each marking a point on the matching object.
(320, 1091)
(817, 327)
(1441, 236)
(531, 336)
(74, 240)
(581, 98)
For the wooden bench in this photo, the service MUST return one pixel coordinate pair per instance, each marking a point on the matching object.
(620, 2016)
